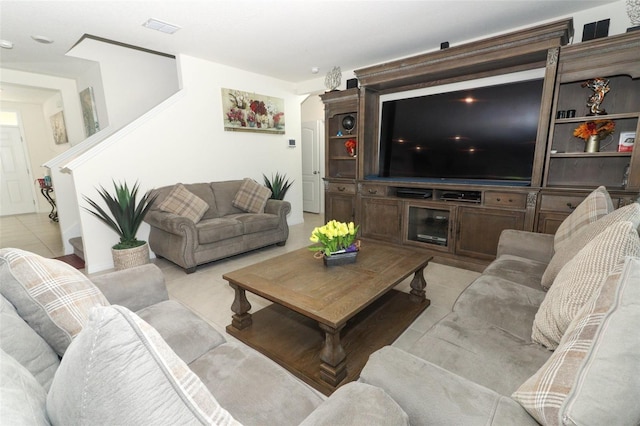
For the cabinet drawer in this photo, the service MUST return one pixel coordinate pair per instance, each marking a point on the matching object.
(343, 188)
(374, 190)
(560, 203)
(505, 199)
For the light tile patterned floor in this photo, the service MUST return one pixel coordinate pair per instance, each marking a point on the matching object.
(206, 293)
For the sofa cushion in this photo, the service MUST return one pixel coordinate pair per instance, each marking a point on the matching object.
(256, 222)
(225, 192)
(119, 371)
(26, 346)
(526, 272)
(463, 344)
(23, 398)
(187, 334)
(593, 377)
(214, 230)
(572, 245)
(357, 404)
(505, 304)
(51, 296)
(251, 197)
(432, 395)
(592, 208)
(580, 278)
(184, 203)
(254, 388)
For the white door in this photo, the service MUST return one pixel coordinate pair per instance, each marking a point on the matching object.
(16, 187)
(311, 184)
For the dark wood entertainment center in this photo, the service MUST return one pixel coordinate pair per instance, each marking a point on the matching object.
(461, 223)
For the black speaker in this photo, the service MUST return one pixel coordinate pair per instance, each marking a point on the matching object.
(352, 83)
(444, 45)
(594, 30)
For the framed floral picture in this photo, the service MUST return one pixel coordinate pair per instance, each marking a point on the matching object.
(250, 112)
(59, 128)
(89, 114)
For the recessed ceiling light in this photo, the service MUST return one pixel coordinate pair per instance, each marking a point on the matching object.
(42, 39)
(314, 70)
(163, 27)
(6, 44)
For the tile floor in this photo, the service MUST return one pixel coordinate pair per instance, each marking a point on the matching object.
(206, 293)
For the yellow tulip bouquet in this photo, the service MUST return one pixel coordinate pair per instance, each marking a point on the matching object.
(335, 237)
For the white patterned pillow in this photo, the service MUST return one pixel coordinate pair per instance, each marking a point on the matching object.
(132, 377)
(184, 203)
(251, 197)
(51, 296)
(592, 208)
(593, 377)
(580, 278)
(572, 245)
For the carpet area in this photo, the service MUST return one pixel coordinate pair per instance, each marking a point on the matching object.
(72, 260)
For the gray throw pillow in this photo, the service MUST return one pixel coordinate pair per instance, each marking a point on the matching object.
(119, 371)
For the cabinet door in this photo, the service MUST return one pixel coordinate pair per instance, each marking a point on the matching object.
(548, 223)
(339, 207)
(479, 230)
(381, 219)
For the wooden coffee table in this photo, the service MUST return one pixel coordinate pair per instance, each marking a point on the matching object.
(326, 321)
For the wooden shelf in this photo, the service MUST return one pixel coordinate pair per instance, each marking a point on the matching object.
(590, 154)
(619, 116)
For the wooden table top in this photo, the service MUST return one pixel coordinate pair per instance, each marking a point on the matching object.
(330, 295)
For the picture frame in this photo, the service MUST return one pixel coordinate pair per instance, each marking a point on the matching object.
(59, 128)
(626, 141)
(89, 112)
(251, 112)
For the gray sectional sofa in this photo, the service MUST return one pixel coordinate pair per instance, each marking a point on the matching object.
(511, 353)
(221, 229)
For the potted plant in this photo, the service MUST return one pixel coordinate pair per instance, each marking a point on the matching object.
(338, 245)
(126, 215)
(279, 185)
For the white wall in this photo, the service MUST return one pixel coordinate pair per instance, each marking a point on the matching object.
(183, 140)
(133, 80)
(93, 78)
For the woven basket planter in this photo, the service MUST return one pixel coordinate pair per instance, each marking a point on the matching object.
(130, 258)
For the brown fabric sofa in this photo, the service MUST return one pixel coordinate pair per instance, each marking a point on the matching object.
(224, 230)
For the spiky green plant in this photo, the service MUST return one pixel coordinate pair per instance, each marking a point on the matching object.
(126, 213)
(279, 185)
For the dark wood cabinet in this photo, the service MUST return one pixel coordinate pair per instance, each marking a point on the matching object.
(381, 218)
(478, 230)
(421, 213)
(341, 132)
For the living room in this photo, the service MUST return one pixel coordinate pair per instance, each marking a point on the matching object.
(540, 336)
(197, 103)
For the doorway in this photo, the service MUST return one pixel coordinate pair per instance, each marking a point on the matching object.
(16, 182)
(311, 176)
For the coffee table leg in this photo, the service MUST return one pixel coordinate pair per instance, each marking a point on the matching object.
(333, 368)
(241, 306)
(418, 284)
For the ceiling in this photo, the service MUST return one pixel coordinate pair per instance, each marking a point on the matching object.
(278, 38)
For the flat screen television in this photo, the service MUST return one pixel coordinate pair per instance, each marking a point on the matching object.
(477, 135)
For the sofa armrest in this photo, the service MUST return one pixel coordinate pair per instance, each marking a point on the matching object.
(530, 245)
(431, 395)
(171, 223)
(277, 207)
(133, 288)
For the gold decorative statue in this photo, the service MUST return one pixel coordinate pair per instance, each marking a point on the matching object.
(600, 87)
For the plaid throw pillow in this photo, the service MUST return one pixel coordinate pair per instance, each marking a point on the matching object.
(51, 296)
(592, 378)
(592, 208)
(580, 278)
(184, 203)
(251, 197)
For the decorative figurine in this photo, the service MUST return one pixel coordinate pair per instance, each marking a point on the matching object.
(333, 79)
(600, 87)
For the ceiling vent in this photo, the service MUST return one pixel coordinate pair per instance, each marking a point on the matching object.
(163, 27)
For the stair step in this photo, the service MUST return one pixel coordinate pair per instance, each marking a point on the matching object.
(78, 247)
